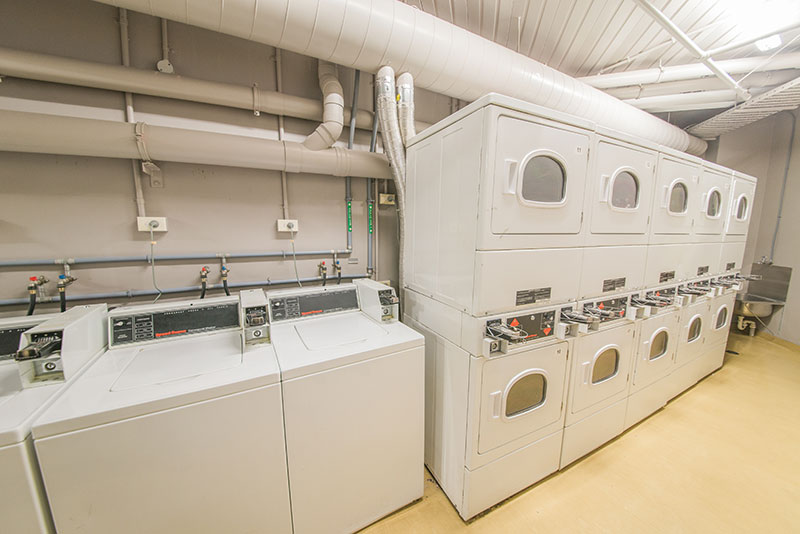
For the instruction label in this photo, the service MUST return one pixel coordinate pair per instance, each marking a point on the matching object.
(702, 270)
(666, 276)
(730, 266)
(612, 284)
(530, 296)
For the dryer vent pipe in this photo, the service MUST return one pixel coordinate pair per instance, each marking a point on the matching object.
(443, 58)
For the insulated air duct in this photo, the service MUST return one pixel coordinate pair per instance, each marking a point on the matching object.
(446, 59)
(56, 134)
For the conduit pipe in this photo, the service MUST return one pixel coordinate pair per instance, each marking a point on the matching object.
(692, 71)
(685, 101)
(53, 134)
(332, 123)
(443, 58)
(405, 106)
(133, 293)
(48, 68)
(93, 260)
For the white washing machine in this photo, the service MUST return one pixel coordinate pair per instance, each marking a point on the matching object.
(598, 385)
(495, 193)
(353, 393)
(654, 359)
(494, 399)
(178, 427)
(57, 349)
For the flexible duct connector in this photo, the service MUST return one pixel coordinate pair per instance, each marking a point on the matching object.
(54, 134)
(332, 109)
(443, 58)
(405, 106)
(386, 103)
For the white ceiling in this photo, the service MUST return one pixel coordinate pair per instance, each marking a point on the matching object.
(586, 37)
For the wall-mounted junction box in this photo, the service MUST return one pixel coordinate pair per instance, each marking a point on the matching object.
(386, 199)
(159, 224)
(288, 225)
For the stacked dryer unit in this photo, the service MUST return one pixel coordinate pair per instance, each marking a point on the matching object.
(551, 265)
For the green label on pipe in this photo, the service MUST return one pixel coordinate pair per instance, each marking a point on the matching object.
(369, 215)
(349, 216)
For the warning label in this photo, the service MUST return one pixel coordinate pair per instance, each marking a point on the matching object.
(730, 266)
(702, 270)
(530, 296)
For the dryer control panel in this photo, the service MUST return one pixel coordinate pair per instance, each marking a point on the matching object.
(9, 341)
(504, 333)
(608, 309)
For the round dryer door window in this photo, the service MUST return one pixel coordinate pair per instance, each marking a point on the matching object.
(526, 394)
(543, 180)
(695, 328)
(625, 191)
(606, 365)
(741, 208)
(678, 198)
(714, 204)
(722, 317)
(658, 346)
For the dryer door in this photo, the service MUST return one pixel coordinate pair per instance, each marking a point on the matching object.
(602, 363)
(741, 205)
(520, 394)
(673, 202)
(623, 189)
(694, 324)
(539, 178)
(655, 355)
(715, 192)
(720, 323)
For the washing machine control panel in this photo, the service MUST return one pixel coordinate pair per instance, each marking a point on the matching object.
(9, 341)
(171, 323)
(311, 304)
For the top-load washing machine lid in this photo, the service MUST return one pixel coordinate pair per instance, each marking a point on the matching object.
(141, 376)
(321, 328)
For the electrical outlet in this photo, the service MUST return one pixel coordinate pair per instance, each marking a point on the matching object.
(288, 225)
(159, 224)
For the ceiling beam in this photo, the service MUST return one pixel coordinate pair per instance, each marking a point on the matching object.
(690, 45)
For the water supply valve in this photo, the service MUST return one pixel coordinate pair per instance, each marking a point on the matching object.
(323, 272)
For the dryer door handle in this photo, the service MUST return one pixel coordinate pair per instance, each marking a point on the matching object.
(605, 181)
(496, 399)
(645, 354)
(511, 176)
(587, 371)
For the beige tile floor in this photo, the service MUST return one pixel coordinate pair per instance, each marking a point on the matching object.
(722, 457)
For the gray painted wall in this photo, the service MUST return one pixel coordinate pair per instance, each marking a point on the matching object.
(761, 149)
(58, 206)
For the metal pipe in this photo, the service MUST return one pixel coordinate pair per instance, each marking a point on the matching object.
(690, 45)
(52, 134)
(284, 179)
(783, 187)
(348, 184)
(49, 68)
(129, 114)
(739, 44)
(371, 214)
(691, 71)
(283, 254)
(133, 293)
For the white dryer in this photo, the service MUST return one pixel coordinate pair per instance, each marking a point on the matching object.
(657, 340)
(178, 427)
(600, 370)
(694, 323)
(494, 400)
(56, 350)
(353, 393)
(720, 315)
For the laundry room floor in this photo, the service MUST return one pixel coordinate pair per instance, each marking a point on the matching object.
(722, 457)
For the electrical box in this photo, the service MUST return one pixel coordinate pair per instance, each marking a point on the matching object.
(159, 224)
(288, 225)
